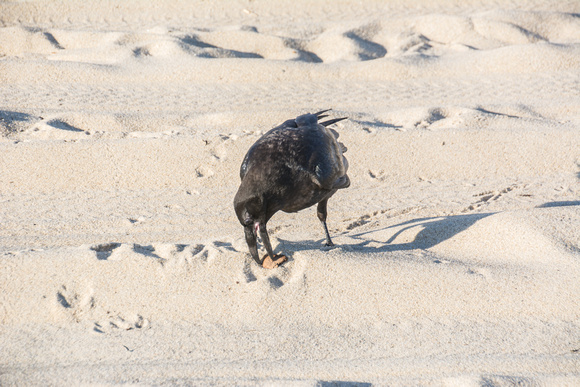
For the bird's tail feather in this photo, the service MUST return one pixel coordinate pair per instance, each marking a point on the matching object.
(333, 121)
(321, 112)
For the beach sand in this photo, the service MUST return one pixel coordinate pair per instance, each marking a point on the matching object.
(457, 257)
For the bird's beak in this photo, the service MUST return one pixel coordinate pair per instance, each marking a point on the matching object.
(251, 241)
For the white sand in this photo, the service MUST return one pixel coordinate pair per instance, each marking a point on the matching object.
(122, 128)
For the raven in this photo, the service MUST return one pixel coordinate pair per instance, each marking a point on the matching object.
(292, 167)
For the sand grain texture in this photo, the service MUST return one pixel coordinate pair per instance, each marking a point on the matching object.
(457, 257)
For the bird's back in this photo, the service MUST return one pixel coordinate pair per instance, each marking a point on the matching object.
(301, 145)
(293, 166)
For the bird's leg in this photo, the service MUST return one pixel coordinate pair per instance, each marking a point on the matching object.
(270, 260)
(265, 239)
(321, 212)
(251, 241)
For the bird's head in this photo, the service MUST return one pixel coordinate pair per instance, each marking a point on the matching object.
(248, 211)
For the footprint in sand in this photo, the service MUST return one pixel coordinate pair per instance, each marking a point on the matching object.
(379, 175)
(219, 151)
(488, 197)
(204, 172)
(416, 118)
(407, 43)
(359, 222)
(201, 253)
(81, 307)
(77, 304)
(119, 322)
(180, 256)
(481, 272)
(290, 272)
(118, 251)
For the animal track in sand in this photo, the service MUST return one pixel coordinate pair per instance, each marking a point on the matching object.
(179, 259)
(181, 256)
(248, 272)
(410, 43)
(113, 251)
(417, 118)
(75, 303)
(117, 321)
(359, 222)
(367, 218)
(481, 272)
(377, 175)
(204, 172)
(205, 253)
(488, 197)
(218, 146)
(364, 219)
(168, 255)
(290, 272)
(219, 153)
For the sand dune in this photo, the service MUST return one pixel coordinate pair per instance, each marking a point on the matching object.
(122, 129)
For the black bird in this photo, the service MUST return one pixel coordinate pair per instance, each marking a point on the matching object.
(293, 166)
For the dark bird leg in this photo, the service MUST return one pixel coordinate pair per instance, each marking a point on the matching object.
(321, 212)
(251, 241)
(270, 261)
(266, 240)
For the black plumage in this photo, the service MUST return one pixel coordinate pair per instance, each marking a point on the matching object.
(293, 166)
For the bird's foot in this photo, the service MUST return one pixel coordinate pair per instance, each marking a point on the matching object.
(268, 263)
(329, 244)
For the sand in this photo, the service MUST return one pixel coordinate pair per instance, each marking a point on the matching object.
(457, 257)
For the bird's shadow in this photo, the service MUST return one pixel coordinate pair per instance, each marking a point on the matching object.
(377, 124)
(434, 230)
(568, 203)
